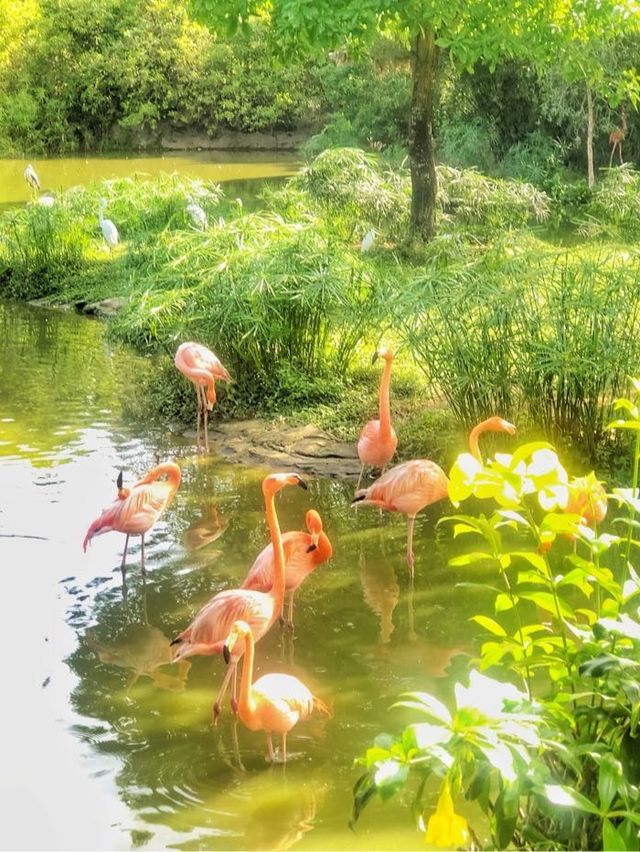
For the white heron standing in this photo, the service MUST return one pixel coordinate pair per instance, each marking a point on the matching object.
(368, 240)
(109, 230)
(32, 178)
(46, 200)
(197, 215)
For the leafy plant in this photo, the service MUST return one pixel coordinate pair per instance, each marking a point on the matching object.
(545, 742)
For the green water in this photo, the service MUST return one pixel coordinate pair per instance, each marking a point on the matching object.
(106, 746)
(242, 173)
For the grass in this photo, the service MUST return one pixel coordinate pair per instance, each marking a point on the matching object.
(488, 317)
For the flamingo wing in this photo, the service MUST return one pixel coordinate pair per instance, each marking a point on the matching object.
(213, 623)
(408, 487)
(285, 697)
(260, 576)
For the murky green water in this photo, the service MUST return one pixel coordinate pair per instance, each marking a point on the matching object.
(241, 172)
(106, 746)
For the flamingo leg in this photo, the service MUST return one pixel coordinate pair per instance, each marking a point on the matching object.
(284, 746)
(270, 752)
(613, 150)
(123, 566)
(206, 421)
(217, 704)
(410, 558)
(360, 477)
(144, 570)
(234, 691)
(291, 610)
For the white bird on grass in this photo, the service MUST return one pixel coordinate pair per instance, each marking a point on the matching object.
(197, 215)
(368, 240)
(109, 230)
(32, 178)
(46, 200)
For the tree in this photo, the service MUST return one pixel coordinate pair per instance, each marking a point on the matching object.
(469, 30)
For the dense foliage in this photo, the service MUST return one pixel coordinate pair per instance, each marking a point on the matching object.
(494, 317)
(546, 742)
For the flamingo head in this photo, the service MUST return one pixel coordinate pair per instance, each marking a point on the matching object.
(277, 481)
(314, 525)
(383, 352)
(498, 424)
(239, 629)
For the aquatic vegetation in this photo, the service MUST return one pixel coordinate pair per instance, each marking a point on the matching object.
(544, 738)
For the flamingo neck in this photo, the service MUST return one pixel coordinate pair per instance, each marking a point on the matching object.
(474, 445)
(246, 704)
(385, 409)
(277, 590)
(324, 550)
(168, 469)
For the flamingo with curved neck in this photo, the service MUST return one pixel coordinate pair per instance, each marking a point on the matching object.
(137, 508)
(202, 368)
(303, 553)
(378, 441)
(411, 486)
(208, 631)
(275, 702)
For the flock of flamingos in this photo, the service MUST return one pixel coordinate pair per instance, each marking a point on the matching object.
(234, 620)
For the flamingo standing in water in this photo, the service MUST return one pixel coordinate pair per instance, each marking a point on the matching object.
(275, 702)
(378, 440)
(303, 552)
(411, 486)
(209, 629)
(137, 508)
(201, 367)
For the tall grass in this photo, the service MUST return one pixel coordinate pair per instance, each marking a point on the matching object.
(543, 337)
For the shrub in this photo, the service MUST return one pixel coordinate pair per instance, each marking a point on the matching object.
(466, 144)
(536, 159)
(544, 738)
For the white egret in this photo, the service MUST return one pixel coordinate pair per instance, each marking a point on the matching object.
(197, 215)
(368, 240)
(32, 178)
(46, 200)
(109, 230)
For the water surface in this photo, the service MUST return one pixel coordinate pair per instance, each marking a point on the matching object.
(241, 172)
(107, 746)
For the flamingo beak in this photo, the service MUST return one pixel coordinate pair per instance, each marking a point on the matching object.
(509, 428)
(314, 543)
(119, 481)
(375, 357)
(226, 653)
(302, 483)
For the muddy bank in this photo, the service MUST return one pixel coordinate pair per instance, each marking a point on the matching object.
(167, 138)
(302, 448)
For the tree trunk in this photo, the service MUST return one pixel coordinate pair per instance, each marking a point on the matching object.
(591, 178)
(424, 183)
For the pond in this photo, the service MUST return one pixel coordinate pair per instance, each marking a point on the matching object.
(241, 172)
(108, 746)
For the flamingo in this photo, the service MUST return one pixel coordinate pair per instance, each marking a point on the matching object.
(616, 138)
(378, 439)
(275, 702)
(32, 178)
(209, 629)
(411, 486)
(303, 552)
(201, 367)
(137, 508)
(109, 230)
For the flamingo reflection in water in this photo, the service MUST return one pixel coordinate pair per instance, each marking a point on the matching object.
(206, 530)
(142, 649)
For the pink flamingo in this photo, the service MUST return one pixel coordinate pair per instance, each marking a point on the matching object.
(137, 508)
(303, 552)
(378, 440)
(207, 632)
(411, 486)
(202, 368)
(275, 702)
